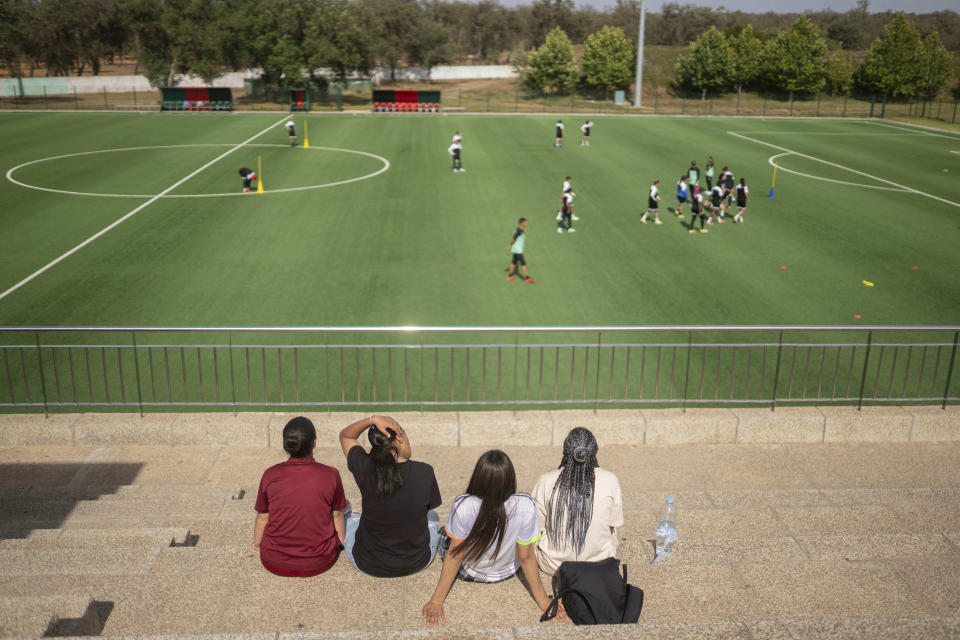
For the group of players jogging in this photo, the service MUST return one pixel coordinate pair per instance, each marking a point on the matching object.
(720, 197)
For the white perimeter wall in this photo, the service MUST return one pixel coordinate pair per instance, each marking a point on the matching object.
(121, 84)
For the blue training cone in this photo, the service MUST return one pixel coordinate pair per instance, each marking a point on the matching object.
(771, 193)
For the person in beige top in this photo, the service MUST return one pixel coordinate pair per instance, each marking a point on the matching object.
(579, 506)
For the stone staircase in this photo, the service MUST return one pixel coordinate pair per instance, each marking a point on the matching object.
(792, 541)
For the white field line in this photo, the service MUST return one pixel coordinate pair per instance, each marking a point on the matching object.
(134, 212)
(831, 133)
(772, 162)
(955, 152)
(925, 130)
(840, 166)
(386, 165)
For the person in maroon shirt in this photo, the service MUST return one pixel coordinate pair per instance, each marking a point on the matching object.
(300, 527)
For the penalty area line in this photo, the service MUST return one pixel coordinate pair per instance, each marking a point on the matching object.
(840, 166)
(134, 212)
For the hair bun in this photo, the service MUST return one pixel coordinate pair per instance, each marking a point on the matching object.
(581, 454)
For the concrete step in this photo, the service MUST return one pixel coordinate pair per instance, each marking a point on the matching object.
(82, 561)
(134, 491)
(36, 617)
(97, 538)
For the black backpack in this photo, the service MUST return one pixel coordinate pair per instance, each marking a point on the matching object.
(595, 593)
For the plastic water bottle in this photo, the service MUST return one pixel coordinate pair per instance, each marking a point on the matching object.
(666, 534)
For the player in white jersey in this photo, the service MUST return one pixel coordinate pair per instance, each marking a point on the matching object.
(566, 214)
(696, 210)
(717, 202)
(567, 187)
(457, 137)
(454, 150)
(585, 130)
(652, 204)
(558, 138)
(291, 132)
(743, 197)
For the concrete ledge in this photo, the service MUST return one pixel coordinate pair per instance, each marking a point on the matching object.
(498, 428)
(870, 424)
(787, 424)
(933, 424)
(701, 426)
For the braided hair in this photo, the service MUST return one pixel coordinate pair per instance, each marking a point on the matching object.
(570, 508)
(383, 455)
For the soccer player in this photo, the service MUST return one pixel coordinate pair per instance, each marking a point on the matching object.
(709, 172)
(717, 202)
(248, 176)
(516, 248)
(696, 209)
(454, 150)
(558, 141)
(566, 213)
(743, 197)
(291, 132)
(585, 130)
(683, 192)
(457, 137)
(693, 173)
(652, 203)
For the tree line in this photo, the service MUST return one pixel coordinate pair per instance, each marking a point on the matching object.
(289, 38)
(898, 63)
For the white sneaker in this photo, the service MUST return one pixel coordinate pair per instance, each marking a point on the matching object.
(559, 230)
(575, 218)
(571, 230)
(559, 215)
(461, 170)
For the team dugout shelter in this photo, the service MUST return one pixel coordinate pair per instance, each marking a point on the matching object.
(196, 99)
(413, 101)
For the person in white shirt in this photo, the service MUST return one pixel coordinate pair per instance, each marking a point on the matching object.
(585, 130)
(567, 187)
(566, 213)
(457, 137)
(454, 150)
(743, 197)
(652, 203)
(579, 506)
(558, 138)
(491, 532)
(291, 132)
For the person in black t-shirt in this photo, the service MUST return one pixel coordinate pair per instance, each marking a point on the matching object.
(397, 532)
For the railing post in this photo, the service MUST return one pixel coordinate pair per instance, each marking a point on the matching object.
(233, 387)
(863, 378)
(596, 388)
(776, 374)
(686, 375)
(136, 368)
(516, 367)
(46, 103)
(43, 382)
(953, 359)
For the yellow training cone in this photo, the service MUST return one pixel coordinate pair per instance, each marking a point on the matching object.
(259, 175)
(306, 136)
(869, 284)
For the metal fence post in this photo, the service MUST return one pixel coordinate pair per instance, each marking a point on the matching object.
(953, 359)
(134, 96)
(233, 386)
(596, 388)
(516, 367)
(656, 100)
(46, 103)
(883, 108)
(682, 106)
(818, 104)
(738, 102)
(136, 368)
(764, 104)
(105, 105)
(844, 106)
(516, 99)
(955, 103)
(76, 100)
(873, 100)
(488, 100)
(863, 378)
(776, 373)
(686, 376)
(43, 382)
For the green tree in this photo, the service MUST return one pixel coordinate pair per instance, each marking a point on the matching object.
(609, 59)
(746, 51)
(941, 63)
(839, 72)
(706, 66)
(895, 64)
(429, 45)
(847, 32)
(337, 39)
(550, 67)
(799, 58)
(13, 30)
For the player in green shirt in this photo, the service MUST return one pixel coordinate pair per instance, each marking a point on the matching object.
(693, 173)
(516, 249)
(709, 172)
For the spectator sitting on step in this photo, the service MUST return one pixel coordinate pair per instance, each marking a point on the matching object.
(490, 532)
(579, 506)
(396, 533)
(299, 528)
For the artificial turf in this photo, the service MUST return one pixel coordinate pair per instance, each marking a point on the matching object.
(417, 244)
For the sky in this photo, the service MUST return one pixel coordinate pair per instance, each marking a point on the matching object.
(782, 6)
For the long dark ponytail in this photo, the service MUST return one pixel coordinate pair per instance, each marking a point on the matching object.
(493, 481)
(383, 452)
(571, 503)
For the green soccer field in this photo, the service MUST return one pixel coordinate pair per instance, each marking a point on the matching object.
(416, 244)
